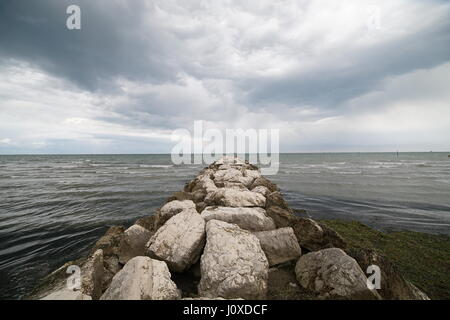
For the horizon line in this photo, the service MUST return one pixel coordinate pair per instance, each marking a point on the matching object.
(130, 154)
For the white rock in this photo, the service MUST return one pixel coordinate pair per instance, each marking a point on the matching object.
(142, 278)
(262, 190)
(252, 174)
(66, 294)
(279, 245)
(172, 208)
(204, 182)
(235, 198)
(252, 219)
(133, 243)
(232, 175)
(331, 273)
(233, 264)
(179, 241)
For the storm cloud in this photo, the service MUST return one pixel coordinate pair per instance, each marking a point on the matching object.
(332, 76)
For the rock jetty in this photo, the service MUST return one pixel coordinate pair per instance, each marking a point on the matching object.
(229, 234)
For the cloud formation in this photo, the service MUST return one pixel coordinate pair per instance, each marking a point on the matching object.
(353, 76)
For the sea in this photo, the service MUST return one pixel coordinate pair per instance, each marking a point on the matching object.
(54, 207)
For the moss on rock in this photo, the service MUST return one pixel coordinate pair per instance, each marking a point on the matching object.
(423, 259)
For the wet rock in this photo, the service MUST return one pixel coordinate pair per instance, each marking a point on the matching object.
(148, 222)
(301, 213)
(261, 181)
(199, 195)
(179, 241)
(252, 219)
(332, 274)
(279, 245)
(55, 281)
(142, 278)
(276, 199)
(92, 275)
(233, 265)
(235, 198)
(110, 242)
(393, 285)
(332, 239)
(309, 233)
(180, 196)
(200, 206)
(280, 216)
(133, 243)
(314, 236)
(111, 267)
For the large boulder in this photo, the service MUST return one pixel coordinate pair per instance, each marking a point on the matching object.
(179, 241)
(67, 294)
(279, 245)
(252, 219)
(233, 265)
(92, 273)
(332, 274)
(142, 278)
(235, 198)
(133, 243)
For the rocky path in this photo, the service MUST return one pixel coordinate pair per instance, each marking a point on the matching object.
(223, 237)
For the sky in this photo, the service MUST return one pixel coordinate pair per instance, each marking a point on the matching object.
(332, 76)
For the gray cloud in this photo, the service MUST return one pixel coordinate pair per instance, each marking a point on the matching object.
(112, 43)
(138, 70)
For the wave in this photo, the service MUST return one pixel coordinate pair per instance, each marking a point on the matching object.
(156, 165)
